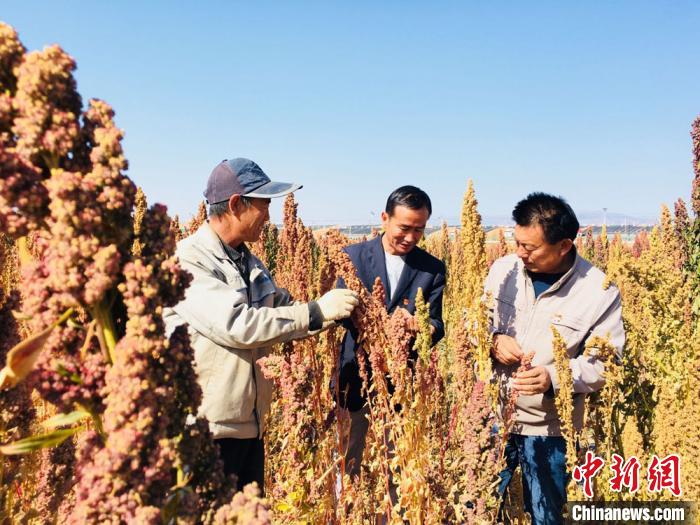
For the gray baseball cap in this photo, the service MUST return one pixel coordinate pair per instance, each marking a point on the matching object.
(243, 177)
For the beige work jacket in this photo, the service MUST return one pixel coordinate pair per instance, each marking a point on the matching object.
(231, 326)
(579, 307)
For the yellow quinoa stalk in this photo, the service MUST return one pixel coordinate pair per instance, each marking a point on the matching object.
(197, 220)
(470, 462)
(472, 241)
(376, 333)
(438, 243)
(463, 307)
(604, 236)
(468, 263)
(482, 339)
(267, 246)
(444, 244)
(473, 269)
(403, 420)
(503, 246)
(690, 407)
(9, 268)
(140, 207)
(632, 443)
(658, 384)
(514, 505)
(294, 261)
(432, 244)
(565, 407)
(601, 248)
(667, 352)
(665, 307)
(423, 342)
(602, 415)
(667, 232)
(417, 430)
(473, 456)
(689, 428)
(655, 298)
(176, 228)
(301, 440)
(677, 422)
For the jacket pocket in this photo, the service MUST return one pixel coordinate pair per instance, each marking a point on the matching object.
(537, 407)
(572, 329)
(261, 286)
(229, 392)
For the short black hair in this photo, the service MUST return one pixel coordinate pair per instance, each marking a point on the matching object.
(216, 209)
(556, 217)
(409, 196)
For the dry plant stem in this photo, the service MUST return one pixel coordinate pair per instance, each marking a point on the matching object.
(105, 330)
(565, 405)
(341, 445)
(25, 256)
(377, 420)
(88, 338)
(509, 411)
(97, 421)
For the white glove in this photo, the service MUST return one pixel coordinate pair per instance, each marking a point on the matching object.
(337, 304)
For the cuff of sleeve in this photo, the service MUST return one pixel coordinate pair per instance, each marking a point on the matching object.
(553, 376)
(315, 316)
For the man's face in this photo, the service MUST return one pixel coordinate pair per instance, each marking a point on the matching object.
(403, 229)
(252, 218)
(537, 254)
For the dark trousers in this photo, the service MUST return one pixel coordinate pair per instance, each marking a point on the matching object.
(245, 458)
(542, 461)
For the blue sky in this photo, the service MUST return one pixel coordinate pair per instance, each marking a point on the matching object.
(590, 100)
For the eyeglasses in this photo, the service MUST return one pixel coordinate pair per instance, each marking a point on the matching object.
(527, 247)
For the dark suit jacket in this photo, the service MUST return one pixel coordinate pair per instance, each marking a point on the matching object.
(422, 270)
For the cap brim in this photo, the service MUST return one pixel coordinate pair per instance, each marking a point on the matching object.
(272, 189)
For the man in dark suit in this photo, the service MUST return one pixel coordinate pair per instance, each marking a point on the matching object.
(403, 268)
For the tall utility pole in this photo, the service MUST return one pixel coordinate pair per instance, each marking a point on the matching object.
(605, 217)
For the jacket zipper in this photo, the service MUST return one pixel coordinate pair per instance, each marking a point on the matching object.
(254, 360)
(255, 384)
(245, 274)
(551, 290)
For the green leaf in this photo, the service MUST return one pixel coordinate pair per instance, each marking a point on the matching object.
(24, 446)
(170, 510)
(23, 356)
(64, 420)
(72, 376)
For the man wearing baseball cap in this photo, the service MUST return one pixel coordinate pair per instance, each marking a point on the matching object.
(235, 312)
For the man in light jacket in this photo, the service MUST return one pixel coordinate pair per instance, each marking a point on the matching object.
(544, 284)
(235, 312)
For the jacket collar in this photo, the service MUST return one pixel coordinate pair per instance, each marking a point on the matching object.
(210, 240)
(407, 275)
(377, 261)
(578, 262)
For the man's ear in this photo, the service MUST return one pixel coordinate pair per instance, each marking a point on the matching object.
(566, 245)
(233, 203)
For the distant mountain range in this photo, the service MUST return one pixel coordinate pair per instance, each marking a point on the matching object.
(585, 218)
